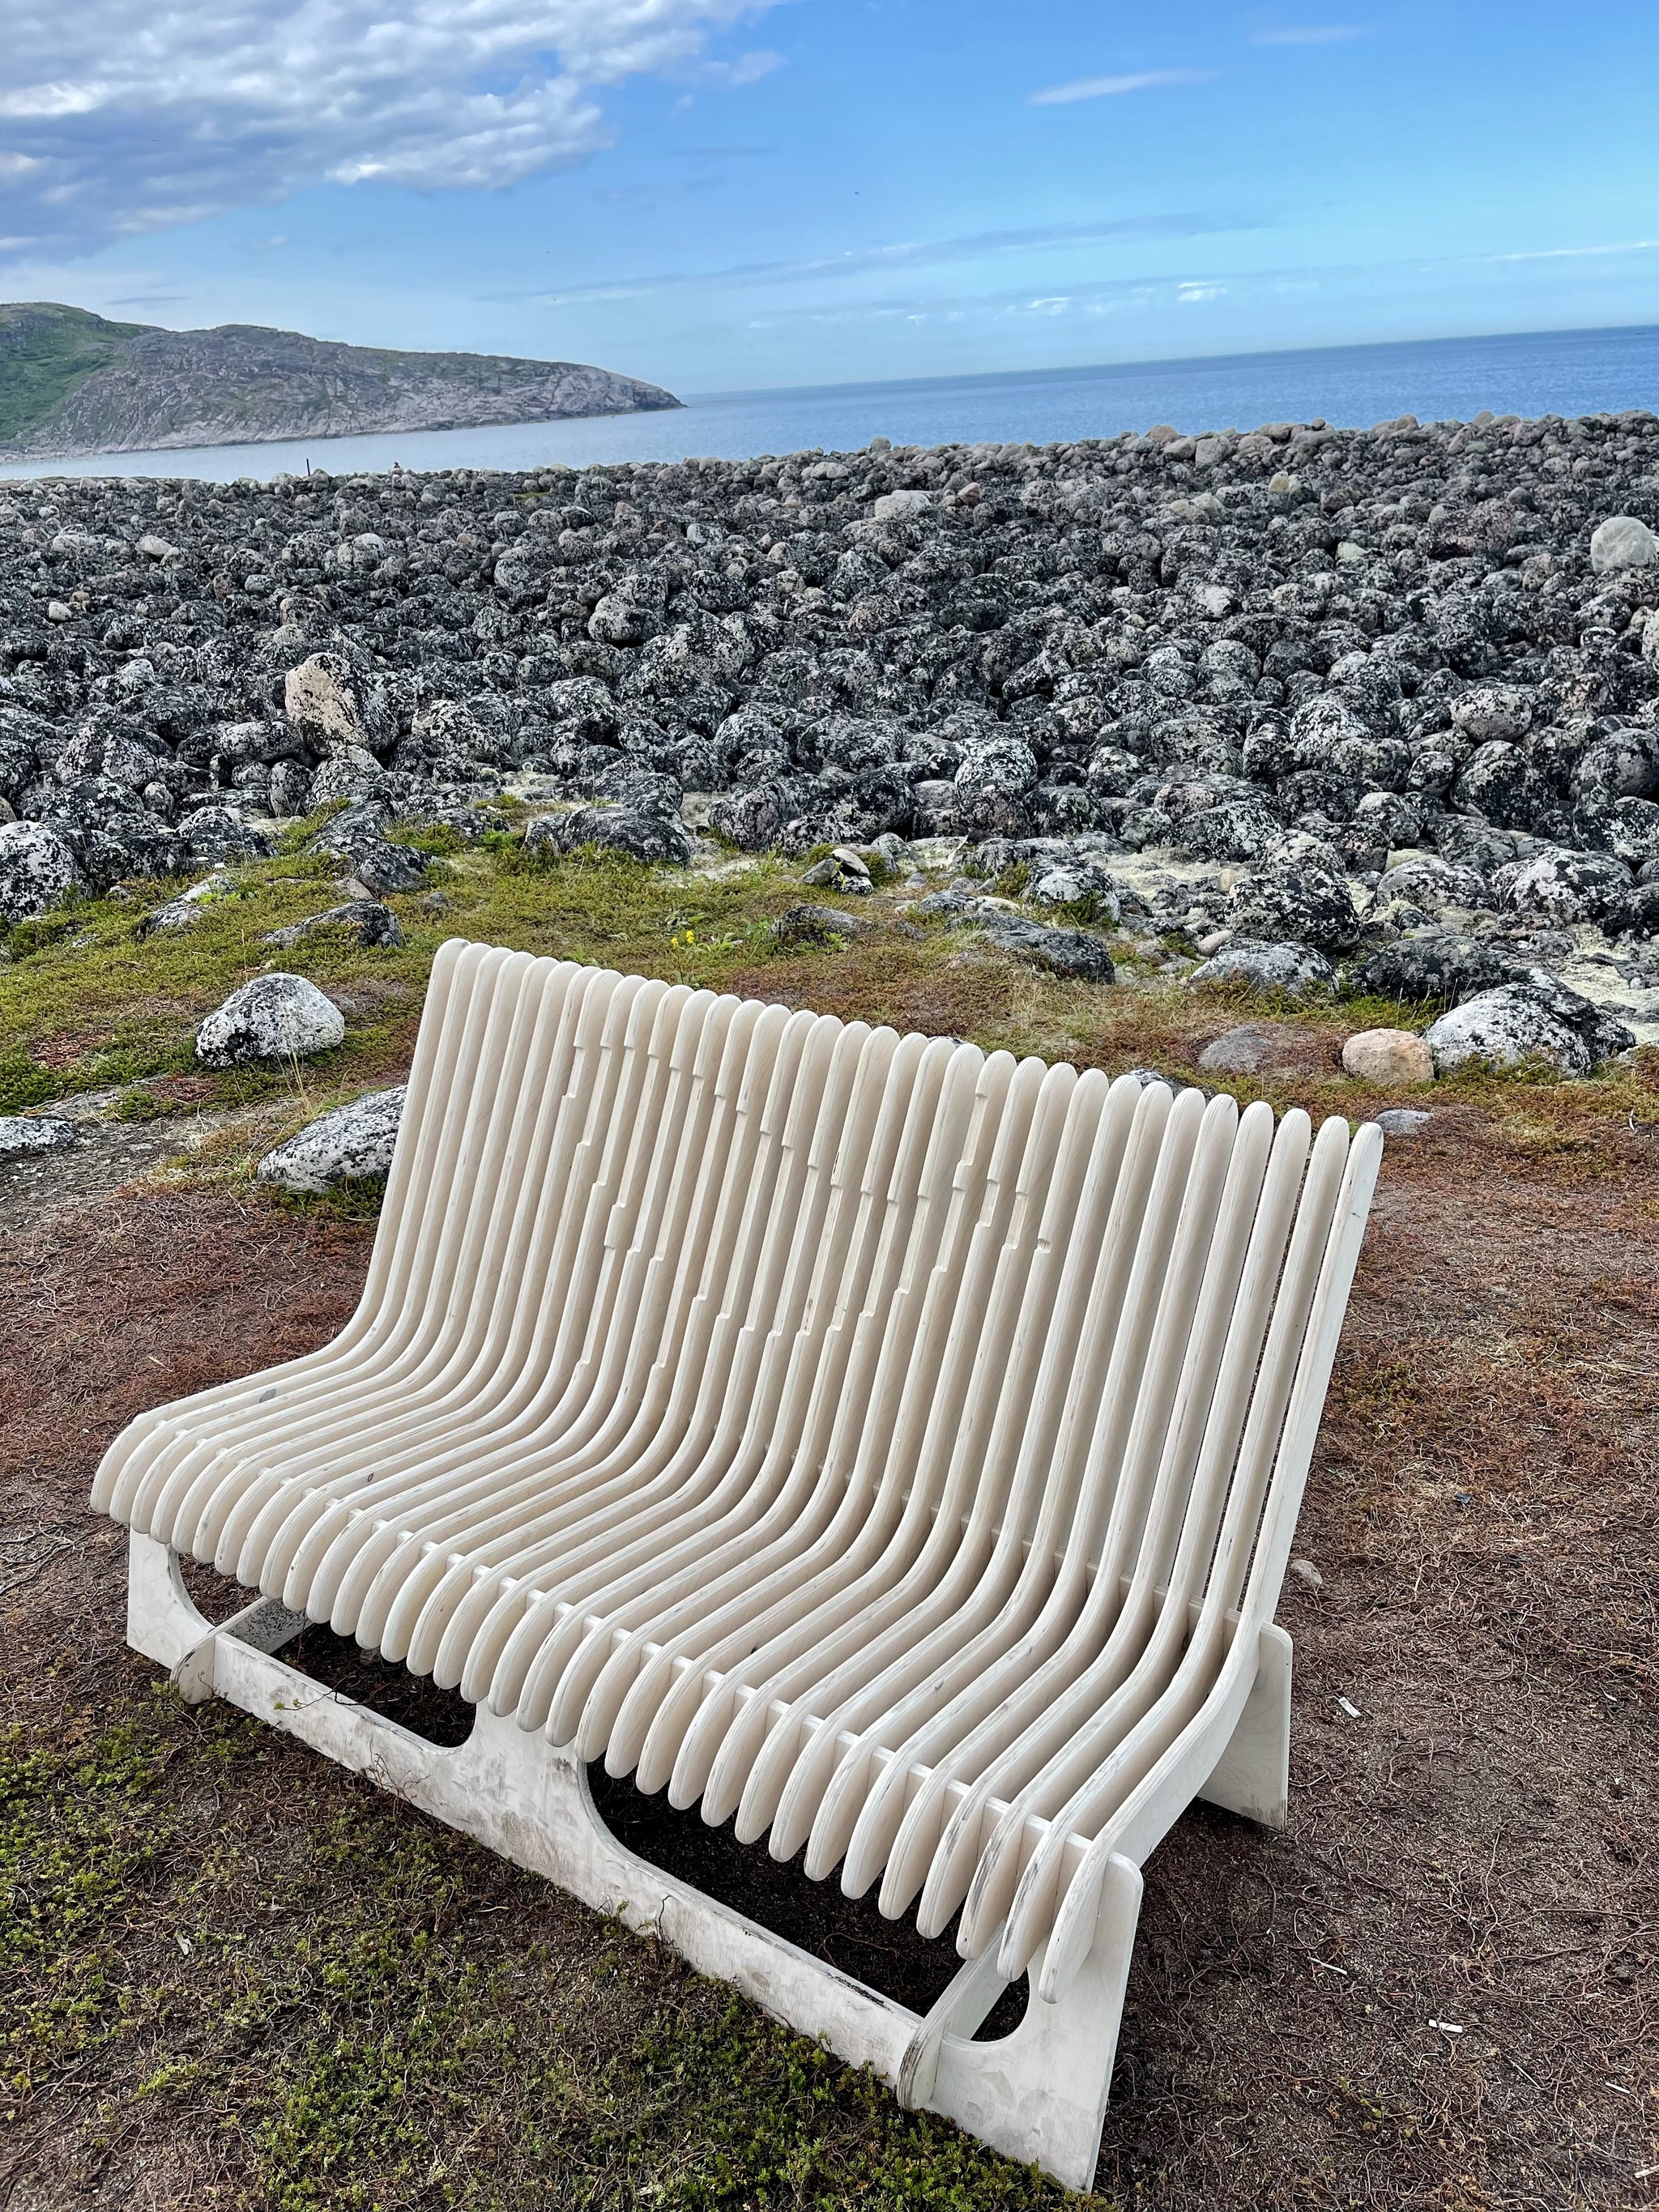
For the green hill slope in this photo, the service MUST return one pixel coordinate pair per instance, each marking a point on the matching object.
(45, 351)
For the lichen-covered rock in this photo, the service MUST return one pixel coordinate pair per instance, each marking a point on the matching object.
(1431, 965)
(332, 705)
(1636, 914)
(1562, 885)
(1624, 764)
(758, 818)
(223, 833)
(1073, 953)
(352, 1144)
(184, 911)
(805, 927)
(1492, 710)
(1299, 895)
(1297, 971)
(1429, 881)
(277, 1017)
(38, 871)
(1268, 1048)
(992, 785)
(651, 837)
(1083, 881)
(23, 1135)
(366, 922)
(112, 835)
(357, 835)
(1536, 1018)
(1073, 648)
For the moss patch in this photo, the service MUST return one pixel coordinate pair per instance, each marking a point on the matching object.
(89, 1001)
(357, 2009)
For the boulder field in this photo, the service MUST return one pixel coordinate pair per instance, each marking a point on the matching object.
(1352, 709)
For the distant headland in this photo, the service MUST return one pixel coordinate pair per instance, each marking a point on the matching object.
(72, 383)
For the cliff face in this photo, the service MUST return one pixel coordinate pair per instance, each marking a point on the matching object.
(70, 384)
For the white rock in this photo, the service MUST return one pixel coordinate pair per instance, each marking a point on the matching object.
(158, 549)
(1623, 542)
(1396, 1122)
(1388, 1056)
(893, 503)
(1492, 710)
(21, 1135)
(37, 870)
(58, 612)
(1296, 970)
(279, 1017)
(334, 708)
(1539, 1019)
(353, 1144)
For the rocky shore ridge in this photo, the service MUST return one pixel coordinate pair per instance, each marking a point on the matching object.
(1322, 710)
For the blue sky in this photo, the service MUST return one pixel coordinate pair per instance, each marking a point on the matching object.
(717, 194)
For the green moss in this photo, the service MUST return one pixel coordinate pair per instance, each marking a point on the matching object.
(365, 2012)
(92, 1003)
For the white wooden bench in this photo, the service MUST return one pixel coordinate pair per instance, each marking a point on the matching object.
(888, 1443)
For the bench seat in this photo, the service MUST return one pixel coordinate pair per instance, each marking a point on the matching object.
(891, 1447)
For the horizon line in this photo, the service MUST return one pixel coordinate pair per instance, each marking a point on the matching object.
(1171, 360)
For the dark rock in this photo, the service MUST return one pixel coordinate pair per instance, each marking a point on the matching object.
(641, 836)
(1636, 914)
(1138, 641)
(357, 835)
(222, 833)
(799, 928)
(1269, 1048)
(365, 920)
(1069, 952)
(1299, 895)
(1431, 964)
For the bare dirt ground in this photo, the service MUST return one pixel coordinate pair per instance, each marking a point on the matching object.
(1439, 1987)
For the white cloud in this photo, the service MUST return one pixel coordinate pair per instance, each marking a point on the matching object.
(126, 116)
(984, 245)
(1309, 34)
(1105, 87)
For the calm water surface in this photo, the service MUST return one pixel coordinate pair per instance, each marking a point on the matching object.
(1545, 372)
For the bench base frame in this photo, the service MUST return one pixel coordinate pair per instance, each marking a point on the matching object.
(1037, 2095)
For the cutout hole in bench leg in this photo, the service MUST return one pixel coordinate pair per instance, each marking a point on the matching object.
(849, 1933)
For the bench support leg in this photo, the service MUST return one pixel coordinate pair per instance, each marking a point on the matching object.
(1038, 2095)
(526, 1799)
(1253, 1775)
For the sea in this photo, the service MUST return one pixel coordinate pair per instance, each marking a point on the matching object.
(1529, 372)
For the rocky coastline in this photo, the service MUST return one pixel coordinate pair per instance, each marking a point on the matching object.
(1322, 711)
(72, 383)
